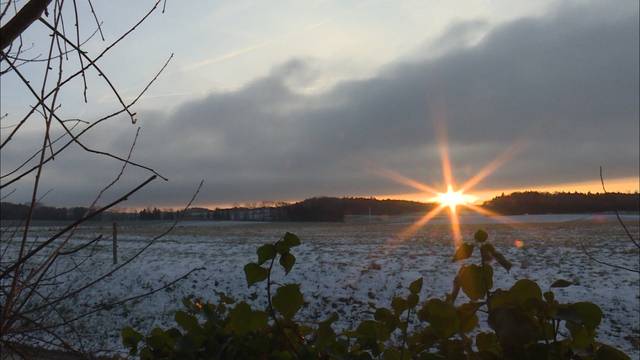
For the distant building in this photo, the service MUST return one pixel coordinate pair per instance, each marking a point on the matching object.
(197, 214)
(250, 214)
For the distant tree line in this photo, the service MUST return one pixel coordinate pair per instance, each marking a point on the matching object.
(534, 202)
(11, 211)
(320, 209)
(335, 209)
(317, 209)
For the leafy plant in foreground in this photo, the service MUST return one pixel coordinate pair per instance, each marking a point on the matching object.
(523, 322)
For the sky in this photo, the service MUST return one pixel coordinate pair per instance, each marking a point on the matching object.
(284, 100)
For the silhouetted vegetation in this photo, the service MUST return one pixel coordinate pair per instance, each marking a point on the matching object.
(523, 321)
(533, 202)
(10, 211)
(335, 209)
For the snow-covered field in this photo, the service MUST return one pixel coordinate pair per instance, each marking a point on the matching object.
(346, 267)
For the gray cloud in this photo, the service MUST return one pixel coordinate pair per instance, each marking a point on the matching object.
(566, 84)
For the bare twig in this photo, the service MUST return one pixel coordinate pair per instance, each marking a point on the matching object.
(592, 258)
(77, 73)
(75, 250)
(7, 194)
(129, 260)
(123, 301)
(98, 23)
(626, 230)
(29, 314)
(76, 223)
(74, 138)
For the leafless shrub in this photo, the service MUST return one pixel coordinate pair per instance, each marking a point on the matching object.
(33, 270)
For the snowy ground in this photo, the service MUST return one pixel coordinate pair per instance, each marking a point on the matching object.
(349, 266)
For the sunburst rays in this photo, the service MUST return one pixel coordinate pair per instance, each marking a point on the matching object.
(454, 197)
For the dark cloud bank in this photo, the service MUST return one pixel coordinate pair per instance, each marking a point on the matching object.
(565, 83)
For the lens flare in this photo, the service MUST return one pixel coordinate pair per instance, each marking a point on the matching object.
(452, 198)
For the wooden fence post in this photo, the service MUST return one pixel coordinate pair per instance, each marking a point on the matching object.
(115, 243)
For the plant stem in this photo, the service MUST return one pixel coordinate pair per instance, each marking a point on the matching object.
(404, 334)
(273, 313)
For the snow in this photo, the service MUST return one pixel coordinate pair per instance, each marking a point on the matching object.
(349, 267)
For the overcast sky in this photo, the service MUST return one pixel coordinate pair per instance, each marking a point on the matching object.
(283, 101)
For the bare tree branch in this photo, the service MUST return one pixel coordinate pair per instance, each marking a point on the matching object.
(29, 13)
(584, 249)
(35, 280)
(76, 223)
(626, 230)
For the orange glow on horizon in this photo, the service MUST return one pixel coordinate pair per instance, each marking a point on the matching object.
(453, 199)
(623, 185)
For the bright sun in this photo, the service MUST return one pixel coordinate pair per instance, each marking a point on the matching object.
(453, 198)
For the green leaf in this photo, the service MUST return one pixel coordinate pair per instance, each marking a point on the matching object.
(386, 317)
(187, 321)
(488, 342)
(287, 260)
(281, 247)
(130, 339)
(502, 260)
(581, 337)
(476, 280)
(561, 283)
(467, 316)
(146, 354)
(371, 334)
(547, 330)
(442, 316)
(255, 273)
(391, 354)
(399, 305)
(481, 236)
(463, 251)
(266, 252)
(567, 313)
(589, 313)
(160, 340)
(243, 320)
(291, 240)
(525, 290)
(416, 286)
(514, 326)
(606, 352)
(500, 299)
(325, 335)
(288, 300)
